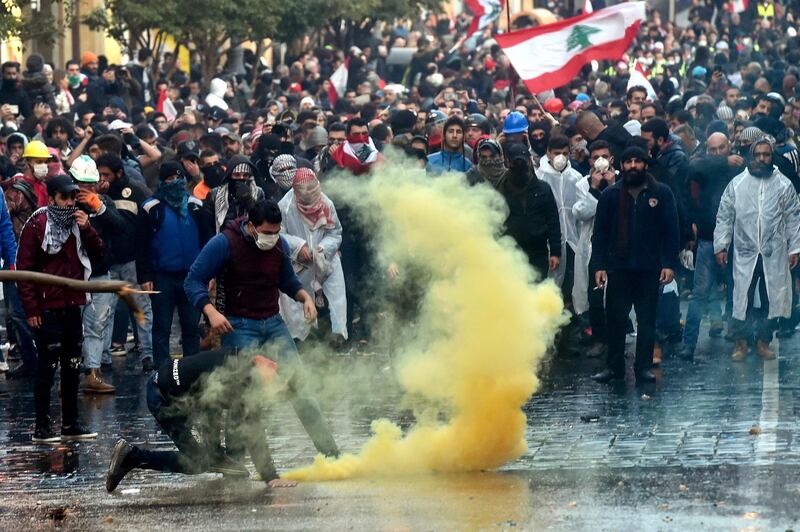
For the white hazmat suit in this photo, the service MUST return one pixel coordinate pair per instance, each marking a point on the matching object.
(761, 216)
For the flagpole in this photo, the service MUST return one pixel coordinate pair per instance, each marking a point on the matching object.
(513, 73)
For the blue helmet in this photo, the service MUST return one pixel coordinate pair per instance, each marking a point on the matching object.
(515, 122)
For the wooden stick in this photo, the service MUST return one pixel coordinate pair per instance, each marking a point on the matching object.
(122, 288)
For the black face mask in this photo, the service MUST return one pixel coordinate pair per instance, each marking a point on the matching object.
(633, 178)
(287, 148)
(213, 175)
(539, 146)
(240, 189)
(519, 174)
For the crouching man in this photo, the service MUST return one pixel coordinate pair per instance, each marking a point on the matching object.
(180, 395)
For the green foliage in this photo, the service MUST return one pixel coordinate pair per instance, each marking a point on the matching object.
(40, 25)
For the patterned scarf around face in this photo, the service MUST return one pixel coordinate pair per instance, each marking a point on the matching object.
(60, 221)
(310, 202)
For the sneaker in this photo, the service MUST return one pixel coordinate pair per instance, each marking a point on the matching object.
(45, 435)
(76, 432)
(118, 468)
(118, 350)
(229, 467)
(147, 365)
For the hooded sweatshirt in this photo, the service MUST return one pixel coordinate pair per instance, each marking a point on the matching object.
(216, 95)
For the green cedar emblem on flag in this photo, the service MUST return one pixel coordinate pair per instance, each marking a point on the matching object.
(579, 38)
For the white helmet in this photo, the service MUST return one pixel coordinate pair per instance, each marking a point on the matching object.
(84, 170)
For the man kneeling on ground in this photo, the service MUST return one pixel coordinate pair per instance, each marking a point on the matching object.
(193, 392)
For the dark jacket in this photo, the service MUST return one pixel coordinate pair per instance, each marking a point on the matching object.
(708, 177)
(672, 169)
(533, 218)
(65, 263)
(131, 243)
(173, 241)
(652, 230)
(250, 279)
(109, 225)
(15, 95)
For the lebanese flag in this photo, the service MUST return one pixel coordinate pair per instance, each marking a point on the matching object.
(338, 82)
(484, 12)
(550, 56)
(639, 79)
(739, 6)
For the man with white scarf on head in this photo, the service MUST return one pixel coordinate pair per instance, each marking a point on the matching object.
(313, 231)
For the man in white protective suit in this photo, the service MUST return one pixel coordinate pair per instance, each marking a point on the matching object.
(760, 215)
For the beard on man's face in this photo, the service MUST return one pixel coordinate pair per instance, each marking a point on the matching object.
(633, 177)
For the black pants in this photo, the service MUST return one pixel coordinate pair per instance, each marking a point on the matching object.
(640, 290)
(597, 310)
(569, 277)
(59, 341)
(193, 456)
(756, 319)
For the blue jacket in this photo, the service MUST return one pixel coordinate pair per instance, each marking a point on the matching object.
(174, 241)
(653, 237)
(447, 161)
(8, 241)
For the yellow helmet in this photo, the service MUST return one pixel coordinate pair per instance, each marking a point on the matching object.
(36, 150)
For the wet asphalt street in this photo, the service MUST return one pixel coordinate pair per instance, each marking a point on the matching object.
(712, 445)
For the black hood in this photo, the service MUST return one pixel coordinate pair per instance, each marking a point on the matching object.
(235, 161)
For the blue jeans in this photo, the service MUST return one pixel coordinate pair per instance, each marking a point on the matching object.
(705, 294)
(27, 348)
(272, 337)
(98, 317)
(127, 272)
(170, 297)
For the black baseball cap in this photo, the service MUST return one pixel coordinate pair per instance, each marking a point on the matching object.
(61, 183)
(188, 149)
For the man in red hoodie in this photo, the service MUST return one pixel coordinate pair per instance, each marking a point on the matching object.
(59, 240)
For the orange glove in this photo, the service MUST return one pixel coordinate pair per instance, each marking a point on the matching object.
(90, 199)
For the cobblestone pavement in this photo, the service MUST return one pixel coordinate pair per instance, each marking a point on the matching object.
(713, 445)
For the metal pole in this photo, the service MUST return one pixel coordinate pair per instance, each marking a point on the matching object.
(512, 75)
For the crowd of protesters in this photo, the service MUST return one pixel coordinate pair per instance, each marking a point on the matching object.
(626, 196)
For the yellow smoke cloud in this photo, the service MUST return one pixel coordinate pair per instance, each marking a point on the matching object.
(483, 327)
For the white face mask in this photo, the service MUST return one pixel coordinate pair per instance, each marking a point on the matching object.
(560, 162)
(601, 164)
(40, 170)
(266, 242)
